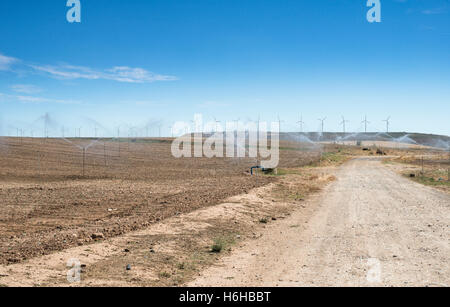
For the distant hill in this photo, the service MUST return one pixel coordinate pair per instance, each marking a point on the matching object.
(438, 141)
(431, 140)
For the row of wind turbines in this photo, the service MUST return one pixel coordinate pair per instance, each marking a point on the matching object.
(301, 123)
(134, 131)
(342, 123)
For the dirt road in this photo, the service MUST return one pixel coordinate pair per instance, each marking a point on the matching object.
(372, 227)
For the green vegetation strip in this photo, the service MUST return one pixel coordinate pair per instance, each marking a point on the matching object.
(431, 181)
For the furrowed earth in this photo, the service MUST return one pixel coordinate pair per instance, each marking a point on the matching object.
(48, 204)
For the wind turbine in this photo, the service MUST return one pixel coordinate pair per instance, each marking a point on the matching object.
(171, 129)
(279, 123)
(301, 123)
(217, 122)
(387, 123)
(365, 122)
(343, 123)
(46, 123)
(322, 120)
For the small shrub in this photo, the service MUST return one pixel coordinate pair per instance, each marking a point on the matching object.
(263, 220)
(164, 275)
(218, 246)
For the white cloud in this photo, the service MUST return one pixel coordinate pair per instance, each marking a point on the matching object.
(434, 11)
(6, 62)
(66, 71)
(118, 73)
(34, 99)
(143, 103)
(213, 104)
(26, 88)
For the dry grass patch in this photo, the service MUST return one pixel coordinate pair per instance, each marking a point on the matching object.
(428, 168)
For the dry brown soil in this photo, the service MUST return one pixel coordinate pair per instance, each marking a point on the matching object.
(47, 205)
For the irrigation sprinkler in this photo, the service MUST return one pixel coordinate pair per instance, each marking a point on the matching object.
(104, 153)
(301, 123)
(130, 135)
(118, 138)
(128, 141)
(84, 159)
(39, 164)
(47, 121)
(45, 129)
(84, 150)
(279, 123)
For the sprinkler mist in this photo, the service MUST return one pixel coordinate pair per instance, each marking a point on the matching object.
(45, 122)
(3, 143)
(46, 128)
(84, 150)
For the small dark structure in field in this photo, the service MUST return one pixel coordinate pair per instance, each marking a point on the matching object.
(380, 152)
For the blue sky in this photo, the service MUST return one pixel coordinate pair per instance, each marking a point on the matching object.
(130, 62)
